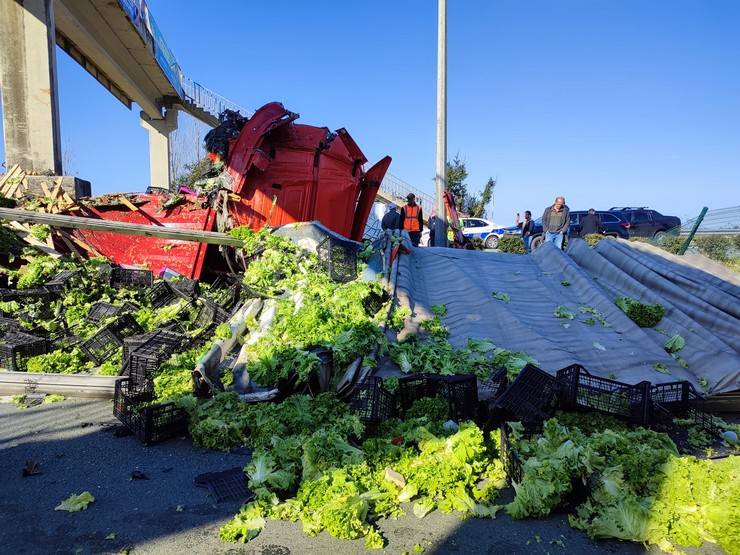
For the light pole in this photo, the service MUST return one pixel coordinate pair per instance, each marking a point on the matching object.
(440, 234)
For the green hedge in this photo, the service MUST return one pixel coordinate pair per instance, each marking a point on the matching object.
(716, 247)
(512, 244)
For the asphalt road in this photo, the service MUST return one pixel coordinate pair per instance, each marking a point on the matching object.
(74, 445)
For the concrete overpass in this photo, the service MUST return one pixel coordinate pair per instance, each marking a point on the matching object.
(119, 43)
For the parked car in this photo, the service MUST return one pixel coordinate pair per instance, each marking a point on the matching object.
(486, 230)
(613, 224)
(645, 222)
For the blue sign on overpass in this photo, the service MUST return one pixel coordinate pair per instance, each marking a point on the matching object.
(138, 13)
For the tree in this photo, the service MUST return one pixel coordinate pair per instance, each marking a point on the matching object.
(476, 205)
(465, 203)
(456, 176)
(192, 172)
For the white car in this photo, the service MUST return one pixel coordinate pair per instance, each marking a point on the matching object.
(486, 230)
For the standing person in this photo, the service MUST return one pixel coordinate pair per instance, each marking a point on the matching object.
(590, 223)
(555, 222)
(392, 219)
(432, 225)
(412, 219)
(527, 229)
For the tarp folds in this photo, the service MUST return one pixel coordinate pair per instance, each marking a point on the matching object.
(702, 308)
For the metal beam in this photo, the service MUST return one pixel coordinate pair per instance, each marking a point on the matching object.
(76, 222)
(69, 385)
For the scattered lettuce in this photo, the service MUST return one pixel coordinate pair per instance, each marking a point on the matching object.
(563, 312)
(642, 314)
(76, 503)
(674, 344)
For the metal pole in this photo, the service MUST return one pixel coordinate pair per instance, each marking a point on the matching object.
(688, 240)
(440, 235)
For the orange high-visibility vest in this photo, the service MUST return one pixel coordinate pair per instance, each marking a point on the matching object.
(411, 221)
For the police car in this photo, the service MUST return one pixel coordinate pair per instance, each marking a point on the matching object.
(486, 230)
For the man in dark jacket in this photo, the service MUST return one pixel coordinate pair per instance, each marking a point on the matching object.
(590, 223)
(412, 220)
(392, 219)
(555, 222)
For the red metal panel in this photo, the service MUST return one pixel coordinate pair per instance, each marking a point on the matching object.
(241, 157)
(370, 185)
(336, 195)
(352, 149)
(311, 173)
(185, 257)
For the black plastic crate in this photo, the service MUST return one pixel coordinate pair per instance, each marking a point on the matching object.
(680, 400)
(161, 294)
(130, 344)
(8, 324)
(226, 290)
(584, 391)
(532, 397)
(145, 360)
(510, 457)
(127, 307)
(412, 388)
(185, 288)
(209, 314)
(125, 277)
(59, 283)
(150, 424)
(339, 258)
(100, 311)
(125, 326)
(17, 347)
(64, 341)
(104, 272)
(373, 403)
(228, 485)
(103, 310)
(460, 392)
(495, 385)
(101, 346)
(109, 339)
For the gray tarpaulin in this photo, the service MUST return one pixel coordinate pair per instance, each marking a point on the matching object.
(701, 307)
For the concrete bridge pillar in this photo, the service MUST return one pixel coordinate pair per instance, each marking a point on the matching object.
(159, 147)
(28, 80)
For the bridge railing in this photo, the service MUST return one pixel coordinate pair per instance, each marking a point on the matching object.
(398, 188)
(209, 101)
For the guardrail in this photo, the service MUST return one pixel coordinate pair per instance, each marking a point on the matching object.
(719, 221)
(209, 101)
(398, 188)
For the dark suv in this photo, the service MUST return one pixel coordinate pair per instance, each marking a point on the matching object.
(612, 224)
(645, 222)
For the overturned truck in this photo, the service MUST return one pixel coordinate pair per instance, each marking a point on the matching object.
(267, 171)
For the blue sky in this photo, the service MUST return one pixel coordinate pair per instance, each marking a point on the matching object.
(622, 102)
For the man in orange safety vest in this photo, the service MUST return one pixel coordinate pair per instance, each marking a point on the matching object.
(412, 219)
